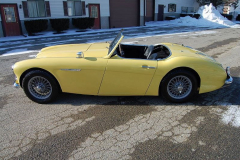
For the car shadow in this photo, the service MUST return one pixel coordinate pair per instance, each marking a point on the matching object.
(229, 95)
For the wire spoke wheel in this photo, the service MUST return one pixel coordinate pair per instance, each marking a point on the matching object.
(179, 87)
(39, 87)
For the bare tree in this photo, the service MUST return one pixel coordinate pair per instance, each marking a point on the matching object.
(234, 4)
(214, 2)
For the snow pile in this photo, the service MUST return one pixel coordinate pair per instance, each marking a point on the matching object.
(210, 13)
(232, 116)
(209, 17)
(189, 21)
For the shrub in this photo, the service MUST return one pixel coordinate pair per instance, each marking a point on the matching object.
(34, 26)
(197, 16)
(170, 18)
(184, 15)
(83, 23)
(238, 18)
(229, 17)
(60, 24)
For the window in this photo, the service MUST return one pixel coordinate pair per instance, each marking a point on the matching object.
(94, 12)
(190, 9)
(184, 9)
(9, 14)
(36, 8)
(187, 9)
(74, 8)
(171, 7)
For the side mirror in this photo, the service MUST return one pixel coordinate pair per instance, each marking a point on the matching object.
(80, 55)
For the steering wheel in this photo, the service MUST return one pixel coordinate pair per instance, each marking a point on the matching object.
(121, 51)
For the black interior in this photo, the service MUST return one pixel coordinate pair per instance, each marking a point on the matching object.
(143, 51)
(134, 51)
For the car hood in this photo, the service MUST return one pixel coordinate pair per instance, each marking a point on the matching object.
(71, 50)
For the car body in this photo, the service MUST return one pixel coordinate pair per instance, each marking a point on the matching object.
(176, 71)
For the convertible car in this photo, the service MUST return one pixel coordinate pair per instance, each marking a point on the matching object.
(175, 71)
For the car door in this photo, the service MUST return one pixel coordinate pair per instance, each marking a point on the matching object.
(127, 76)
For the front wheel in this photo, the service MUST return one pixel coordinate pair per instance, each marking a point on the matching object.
(40, 86)
(179, 86)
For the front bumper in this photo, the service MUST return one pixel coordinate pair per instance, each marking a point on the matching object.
(16, 85)
(229, 79)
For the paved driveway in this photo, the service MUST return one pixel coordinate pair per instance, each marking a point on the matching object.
(35, 43)
(90, 127)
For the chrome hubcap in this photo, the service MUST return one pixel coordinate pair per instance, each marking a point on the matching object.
(39, 87)
(179, 87)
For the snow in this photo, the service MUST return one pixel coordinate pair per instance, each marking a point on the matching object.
(232, 116)
(210, 17)
(47, 34)
(212, 14)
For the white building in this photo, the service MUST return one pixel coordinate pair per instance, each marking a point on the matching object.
(174, 8)
(107, 13)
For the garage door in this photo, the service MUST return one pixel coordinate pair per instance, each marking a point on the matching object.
(149, 10)
(124, 13)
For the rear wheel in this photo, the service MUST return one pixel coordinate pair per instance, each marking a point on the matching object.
(40, 86)
(179, 86)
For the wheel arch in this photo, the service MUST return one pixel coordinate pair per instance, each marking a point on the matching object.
(40, 69)
(184, 68)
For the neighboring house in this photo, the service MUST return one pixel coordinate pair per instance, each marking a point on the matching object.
(107, 13)
(15, 12)
(173, 8)
(227, 8)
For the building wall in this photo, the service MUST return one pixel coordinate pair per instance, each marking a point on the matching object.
(57, 8)
(142, 12)
(179, 5)
(57, 11)
(1, 29)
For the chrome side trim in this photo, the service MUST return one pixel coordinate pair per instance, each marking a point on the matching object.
(148, 67)
(15, 85)
(76, 70)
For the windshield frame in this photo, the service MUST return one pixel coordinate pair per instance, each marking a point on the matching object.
(113, 45)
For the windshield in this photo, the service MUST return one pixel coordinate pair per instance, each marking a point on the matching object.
(114, 42)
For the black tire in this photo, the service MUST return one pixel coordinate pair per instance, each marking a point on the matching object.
(191, 89)
(48, 86)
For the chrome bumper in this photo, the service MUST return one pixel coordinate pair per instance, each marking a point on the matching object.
(15, 85)
(229, 79)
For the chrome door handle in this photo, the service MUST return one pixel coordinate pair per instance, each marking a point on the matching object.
(148, 67)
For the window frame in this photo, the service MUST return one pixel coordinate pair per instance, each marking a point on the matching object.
(74, 8)
(38, 11)
(186, 10)
(175, 7)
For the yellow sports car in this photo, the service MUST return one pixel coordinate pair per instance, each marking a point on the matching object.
(175, 71)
